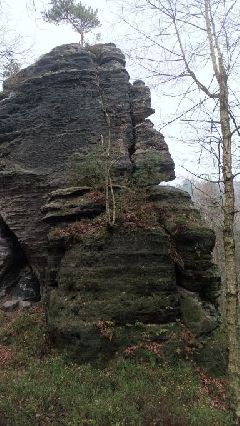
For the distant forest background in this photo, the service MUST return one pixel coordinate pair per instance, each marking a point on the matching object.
(208, 197)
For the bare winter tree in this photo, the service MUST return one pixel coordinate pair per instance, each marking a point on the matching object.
(193, 47)
(207, 196)
(10, 47)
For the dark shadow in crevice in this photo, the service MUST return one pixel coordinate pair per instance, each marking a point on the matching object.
(16, 276)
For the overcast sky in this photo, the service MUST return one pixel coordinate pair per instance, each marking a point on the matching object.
(39, 37)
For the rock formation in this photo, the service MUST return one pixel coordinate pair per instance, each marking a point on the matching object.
(106, 287)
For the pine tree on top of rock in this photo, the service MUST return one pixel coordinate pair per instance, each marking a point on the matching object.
(82, 18)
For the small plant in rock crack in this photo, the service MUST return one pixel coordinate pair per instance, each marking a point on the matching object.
(88, 168)
(94, 169)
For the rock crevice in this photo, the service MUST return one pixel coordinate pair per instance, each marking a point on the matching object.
(17, 279)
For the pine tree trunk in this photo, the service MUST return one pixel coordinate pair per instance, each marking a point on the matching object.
(82, 38)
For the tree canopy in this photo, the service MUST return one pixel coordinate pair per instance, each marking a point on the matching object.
(82, 18)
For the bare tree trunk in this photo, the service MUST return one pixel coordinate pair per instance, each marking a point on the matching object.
(232, 291)
(111, 216)
(82, 38)
(232, 301)
(109, 191)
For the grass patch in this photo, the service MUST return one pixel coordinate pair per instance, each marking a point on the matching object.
(39, 386)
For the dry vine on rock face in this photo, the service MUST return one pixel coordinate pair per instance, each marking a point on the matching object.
(110, 196)
(109, 192)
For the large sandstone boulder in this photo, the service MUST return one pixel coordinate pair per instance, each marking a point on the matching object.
(106, 286)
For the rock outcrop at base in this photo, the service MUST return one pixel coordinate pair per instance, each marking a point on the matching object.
(68, 123)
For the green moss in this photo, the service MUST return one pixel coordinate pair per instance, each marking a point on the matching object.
(89, 168)
(148, 170)
(69, 192)
(195, 315)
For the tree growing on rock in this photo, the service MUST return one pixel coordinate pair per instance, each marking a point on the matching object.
(83, 19)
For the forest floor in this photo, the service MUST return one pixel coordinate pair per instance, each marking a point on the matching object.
(40, 386)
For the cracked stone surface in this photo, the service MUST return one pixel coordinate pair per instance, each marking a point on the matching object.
(98, 282)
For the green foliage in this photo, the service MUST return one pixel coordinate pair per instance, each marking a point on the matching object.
(148, 170)
(90, 169)
(83, 19)
(47, 389)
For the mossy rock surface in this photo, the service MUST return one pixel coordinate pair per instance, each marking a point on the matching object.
(201, 318)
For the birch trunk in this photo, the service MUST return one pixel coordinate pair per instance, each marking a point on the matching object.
(232, 290)
(231, 285)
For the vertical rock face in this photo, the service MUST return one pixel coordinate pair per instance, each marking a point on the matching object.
(59, 120)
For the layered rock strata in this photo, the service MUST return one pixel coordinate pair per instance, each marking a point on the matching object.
(66, 124)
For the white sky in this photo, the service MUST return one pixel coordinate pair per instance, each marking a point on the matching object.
(40, 37)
